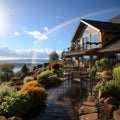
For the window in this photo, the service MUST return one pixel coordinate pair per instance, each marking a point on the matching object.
(94, 40)
(86, 32)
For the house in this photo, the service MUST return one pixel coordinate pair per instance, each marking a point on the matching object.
(95, 40)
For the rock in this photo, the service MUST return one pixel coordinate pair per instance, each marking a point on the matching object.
(91, 104)
(86, 109)
(116, 114)
(3, 118)
(92, 116)
(14, 118)
(111, 100)
(91, 98)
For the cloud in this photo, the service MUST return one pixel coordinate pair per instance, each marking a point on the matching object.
(46, 29)
(37, 35)
(16, 33)
(25, 53)
(5, 51)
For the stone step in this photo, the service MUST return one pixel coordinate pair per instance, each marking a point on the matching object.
(91, 116)
(89, 103)
(86, 110)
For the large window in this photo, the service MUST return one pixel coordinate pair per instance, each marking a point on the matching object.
(86, 39)
(95, 40)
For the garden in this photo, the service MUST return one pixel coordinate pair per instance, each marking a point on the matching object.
(107, 88)
(26, 90)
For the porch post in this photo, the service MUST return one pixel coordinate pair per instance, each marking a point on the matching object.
(91, 61)
(78, 60)
(81, 60)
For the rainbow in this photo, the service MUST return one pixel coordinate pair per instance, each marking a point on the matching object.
(74, 20)
(80, 17)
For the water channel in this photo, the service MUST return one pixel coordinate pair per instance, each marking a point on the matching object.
(58, 104)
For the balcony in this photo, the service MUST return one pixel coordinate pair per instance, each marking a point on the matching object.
(86, 48)
(79, 52)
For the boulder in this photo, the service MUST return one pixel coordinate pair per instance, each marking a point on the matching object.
(3, 118)
(116, 114)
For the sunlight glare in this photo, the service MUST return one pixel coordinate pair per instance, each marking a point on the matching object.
(3, 21)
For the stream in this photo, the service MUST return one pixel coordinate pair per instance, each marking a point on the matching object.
(58, 105)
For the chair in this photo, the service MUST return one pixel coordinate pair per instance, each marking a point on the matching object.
(60, 75)
(76, 76)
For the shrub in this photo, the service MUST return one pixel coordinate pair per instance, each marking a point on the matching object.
(104, 73)
(108, 85)
(51, 81)
(37, 93)
(5, 90)
(116, 73)
(27, 79)
(45, 74)
(16, 104)
(102, 64)
(100, 85)
(54, 65)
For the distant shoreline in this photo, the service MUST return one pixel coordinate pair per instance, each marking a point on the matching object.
(19, 62)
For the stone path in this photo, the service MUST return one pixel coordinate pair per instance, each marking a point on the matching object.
(88, 110)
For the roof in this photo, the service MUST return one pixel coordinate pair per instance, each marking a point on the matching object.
(104, 26)
(116, 19)
(113, 46)
(99, 25)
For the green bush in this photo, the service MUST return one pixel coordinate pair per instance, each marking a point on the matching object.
(108, 85)
(50, 81)
(116, 73)
(5, 90)
(27, 79)
(102, 64)
(17, 103)
(45, 74)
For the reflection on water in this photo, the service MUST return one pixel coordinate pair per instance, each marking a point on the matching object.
(57, 104)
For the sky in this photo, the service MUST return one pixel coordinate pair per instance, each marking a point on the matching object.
(35, 28)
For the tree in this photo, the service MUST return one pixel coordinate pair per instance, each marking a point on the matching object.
(24, 69)
(6, 71)
(53, 57)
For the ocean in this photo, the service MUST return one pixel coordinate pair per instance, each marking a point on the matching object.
(19, 62)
